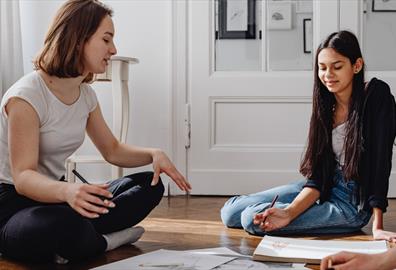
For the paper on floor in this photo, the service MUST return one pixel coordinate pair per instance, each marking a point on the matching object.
(168, 259)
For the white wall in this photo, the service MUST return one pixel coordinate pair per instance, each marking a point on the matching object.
(144, 31)
(379, 40)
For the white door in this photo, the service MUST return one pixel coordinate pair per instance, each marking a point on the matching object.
(249, 128)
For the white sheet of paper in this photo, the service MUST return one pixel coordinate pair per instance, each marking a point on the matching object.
(314, 249)
(168, 259)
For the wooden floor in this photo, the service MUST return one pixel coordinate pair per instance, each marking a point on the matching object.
(192, 222)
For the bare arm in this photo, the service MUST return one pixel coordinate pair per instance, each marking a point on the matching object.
(378, 219)
(23, 141)
(112, 150)
(278, 218)
(302, 202)
(23, 138)
(125, 155)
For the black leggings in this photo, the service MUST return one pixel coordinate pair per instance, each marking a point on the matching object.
(34, 231)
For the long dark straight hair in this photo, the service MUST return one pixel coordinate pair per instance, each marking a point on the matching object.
(319, 158)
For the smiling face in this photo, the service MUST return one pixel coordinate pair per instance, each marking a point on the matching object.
(336, 71)
(100, 47)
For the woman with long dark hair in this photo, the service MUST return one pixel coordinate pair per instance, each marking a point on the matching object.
(348, 159)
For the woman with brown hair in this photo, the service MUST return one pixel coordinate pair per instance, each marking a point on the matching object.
(348, 159)
(44, 117)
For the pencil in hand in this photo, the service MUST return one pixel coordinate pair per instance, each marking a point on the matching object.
(82, 179)
(86, 182)
(329, 265)
(272, 205)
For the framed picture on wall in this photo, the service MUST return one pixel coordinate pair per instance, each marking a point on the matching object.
(279, 16)
(384, 6)
(237, 19)
(307, 35)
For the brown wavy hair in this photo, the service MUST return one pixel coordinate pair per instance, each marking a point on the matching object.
(74, 23)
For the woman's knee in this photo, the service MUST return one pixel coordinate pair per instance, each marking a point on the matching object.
(230, 215)
(158, 189)
(156, 192)
(247, 219)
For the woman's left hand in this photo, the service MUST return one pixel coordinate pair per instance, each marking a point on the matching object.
(384, 235)
(162, 164)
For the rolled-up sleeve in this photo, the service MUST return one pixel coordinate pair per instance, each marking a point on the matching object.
(313, 184)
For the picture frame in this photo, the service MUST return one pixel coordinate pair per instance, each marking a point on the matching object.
(279, 16)
(383, 6)
(236, 19)
(304, 6)
(307, 35)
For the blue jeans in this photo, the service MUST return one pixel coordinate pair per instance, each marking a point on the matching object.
(337, 215)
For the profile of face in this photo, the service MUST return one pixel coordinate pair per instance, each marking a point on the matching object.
(100, 47)
(336, 71)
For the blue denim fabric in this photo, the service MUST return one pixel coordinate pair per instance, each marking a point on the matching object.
(337, 215)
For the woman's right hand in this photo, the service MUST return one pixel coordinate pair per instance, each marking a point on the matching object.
(275, 218)
(84, 198)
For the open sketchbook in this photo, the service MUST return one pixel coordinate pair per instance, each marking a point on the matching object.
(282, 249)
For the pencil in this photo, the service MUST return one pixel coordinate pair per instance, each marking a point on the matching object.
(86, 182)
(272, 205)
(330, 265)
(80, 177)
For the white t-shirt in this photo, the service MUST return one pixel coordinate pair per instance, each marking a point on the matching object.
(62, 127)
(339, 134)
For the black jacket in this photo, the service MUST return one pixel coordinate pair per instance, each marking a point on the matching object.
(378, 131)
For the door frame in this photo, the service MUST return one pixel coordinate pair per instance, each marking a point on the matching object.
(179, 95)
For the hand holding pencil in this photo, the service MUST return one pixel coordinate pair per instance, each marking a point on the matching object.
(89, 200)
(272, 218)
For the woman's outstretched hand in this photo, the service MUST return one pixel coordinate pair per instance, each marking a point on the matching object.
(272, 219)
(84, 198)
(162, 164)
